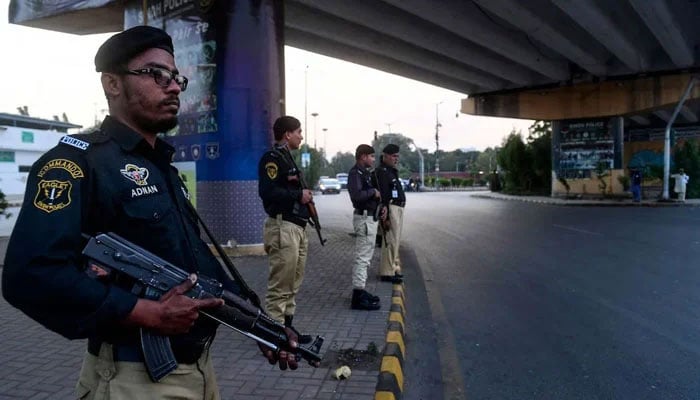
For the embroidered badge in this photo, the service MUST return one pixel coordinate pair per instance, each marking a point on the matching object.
(140, 191)
(136, 174)
(71, 141)
(68, 165)
(53, 195)
(271, 169)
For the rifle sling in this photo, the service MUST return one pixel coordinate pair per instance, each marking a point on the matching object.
(247, 291)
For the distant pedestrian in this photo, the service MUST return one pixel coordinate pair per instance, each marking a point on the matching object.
(681, 182)
(636, 184)
(365, 200)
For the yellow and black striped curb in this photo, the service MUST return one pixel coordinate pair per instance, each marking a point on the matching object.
(390, 383)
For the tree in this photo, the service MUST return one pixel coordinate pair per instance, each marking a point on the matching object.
(408, 159)
(527, 166)
(688, 158)
(341, 162)
(516, 164)
(540, 147)
(4, 205)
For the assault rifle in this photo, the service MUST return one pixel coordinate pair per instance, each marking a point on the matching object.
(113, 259)
(313, 214)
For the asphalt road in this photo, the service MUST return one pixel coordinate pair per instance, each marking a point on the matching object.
(530, 301)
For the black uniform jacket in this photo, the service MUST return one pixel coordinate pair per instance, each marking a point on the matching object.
(361, 189)
(279, 194)
(108, 181)
(390, 187)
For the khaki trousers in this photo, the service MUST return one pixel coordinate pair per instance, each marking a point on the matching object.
(102, 378)
(287, 245)
(365, 228)
(390, 263)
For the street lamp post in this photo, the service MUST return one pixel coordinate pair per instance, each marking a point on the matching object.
(437, 144)
(422, 169)
(314, 114)
(306, 96)
(325, 149)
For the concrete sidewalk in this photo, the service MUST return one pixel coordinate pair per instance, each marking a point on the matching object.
(588, 202)
(38, 364)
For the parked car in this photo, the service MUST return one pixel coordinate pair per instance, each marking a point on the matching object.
(343, 179)
(329, 185)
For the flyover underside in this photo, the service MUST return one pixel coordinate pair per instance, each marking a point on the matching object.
(632, 97)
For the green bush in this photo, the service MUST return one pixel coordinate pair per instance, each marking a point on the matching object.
(625, 182)
(443, 182)
(457, 182)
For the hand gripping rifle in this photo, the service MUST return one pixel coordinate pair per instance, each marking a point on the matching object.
(113, 259)
(313, 214)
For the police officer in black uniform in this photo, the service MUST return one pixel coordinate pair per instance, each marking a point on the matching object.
(286, 201)
(394, 199)
(365, 200)
(119, 180)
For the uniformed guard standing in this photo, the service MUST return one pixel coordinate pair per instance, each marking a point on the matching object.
(365, 200)
(284, 231)
(394, 199)
(119, 180)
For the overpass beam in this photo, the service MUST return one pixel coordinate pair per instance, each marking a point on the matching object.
(537, 28)
(591, 18)
(663, 25)
(373, 15)
(589, 100)
(465, 20)
(334, 29)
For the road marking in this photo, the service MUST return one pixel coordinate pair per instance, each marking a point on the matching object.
(569, 228)
(453, 384)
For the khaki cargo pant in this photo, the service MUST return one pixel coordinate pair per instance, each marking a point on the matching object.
(286, 244)
(390, 263)
(365, 228)
(102, 378)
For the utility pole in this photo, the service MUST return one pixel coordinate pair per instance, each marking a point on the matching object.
(306, 97)
(325, 149)
(437, 144)
(314, 114)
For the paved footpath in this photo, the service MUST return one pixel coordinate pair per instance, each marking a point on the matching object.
(38, 364)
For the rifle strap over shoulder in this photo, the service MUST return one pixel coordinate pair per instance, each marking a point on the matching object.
(231, 269)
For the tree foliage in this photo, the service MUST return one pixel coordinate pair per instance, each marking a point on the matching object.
(688, 158)
(527, 166)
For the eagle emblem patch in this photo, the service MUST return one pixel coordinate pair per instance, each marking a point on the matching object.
(136, 174)
(271, 169)
(53, 195)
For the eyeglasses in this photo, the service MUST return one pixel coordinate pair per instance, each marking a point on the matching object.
(163, 77)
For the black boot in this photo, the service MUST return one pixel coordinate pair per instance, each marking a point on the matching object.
(375, 299)
(361, 300)
(302, 339)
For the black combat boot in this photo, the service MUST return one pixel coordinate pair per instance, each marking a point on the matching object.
(302, 339)
(361, 300)
(375, 299)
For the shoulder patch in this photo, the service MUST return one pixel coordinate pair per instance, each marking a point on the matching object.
(72, 168)
(75, 142)
(53, 195)
(271, 169)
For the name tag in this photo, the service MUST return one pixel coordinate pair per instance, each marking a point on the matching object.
(394, 194)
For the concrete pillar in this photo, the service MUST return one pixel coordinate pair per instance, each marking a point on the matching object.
(225, 125)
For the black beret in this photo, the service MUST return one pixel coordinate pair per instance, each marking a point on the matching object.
(124, 46)
(390, 149)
